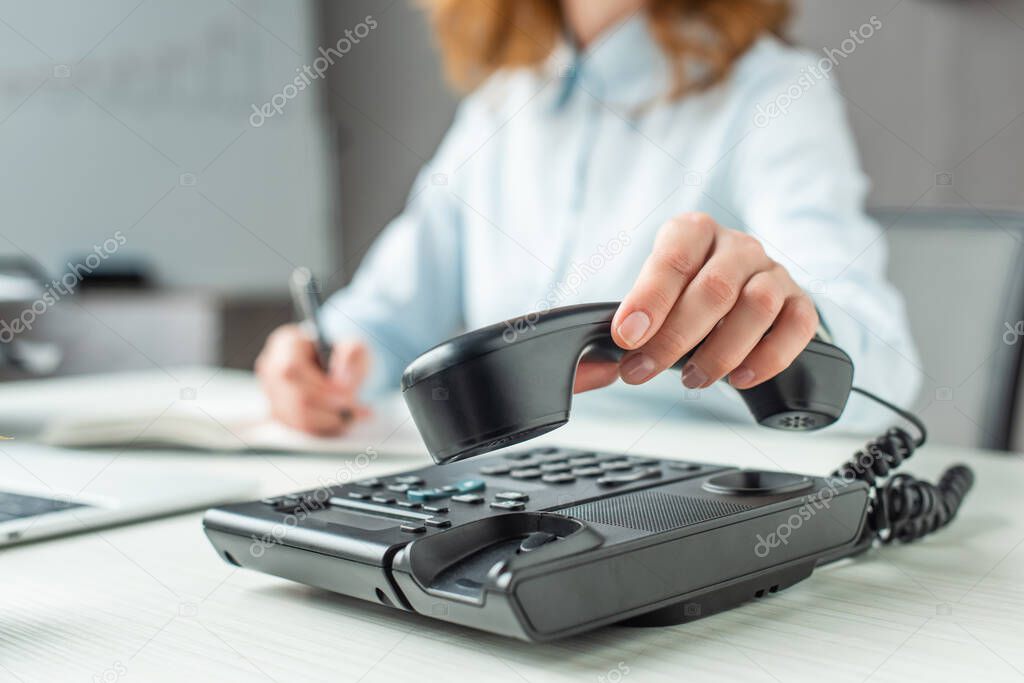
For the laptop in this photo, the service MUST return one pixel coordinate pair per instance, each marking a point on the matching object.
(47, 491)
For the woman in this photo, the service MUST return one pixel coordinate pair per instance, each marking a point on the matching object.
(672, 154)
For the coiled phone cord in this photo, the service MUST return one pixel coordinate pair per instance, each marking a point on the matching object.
(904, 508)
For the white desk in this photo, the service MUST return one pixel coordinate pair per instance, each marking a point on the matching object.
(152, 601)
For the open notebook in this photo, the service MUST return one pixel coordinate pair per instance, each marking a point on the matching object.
(227, 413)
(190, 427)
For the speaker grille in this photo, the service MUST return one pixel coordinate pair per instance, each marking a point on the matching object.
(797, 422)
(652, 510)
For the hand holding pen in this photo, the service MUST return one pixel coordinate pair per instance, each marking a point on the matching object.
(312, 385)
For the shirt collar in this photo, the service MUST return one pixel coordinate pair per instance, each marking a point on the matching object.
(624, 66)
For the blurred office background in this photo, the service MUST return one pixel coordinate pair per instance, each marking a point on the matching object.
(121, 117)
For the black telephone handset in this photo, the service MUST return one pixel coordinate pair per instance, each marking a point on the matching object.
(510, 382)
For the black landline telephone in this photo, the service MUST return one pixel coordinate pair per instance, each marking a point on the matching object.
(547, 542)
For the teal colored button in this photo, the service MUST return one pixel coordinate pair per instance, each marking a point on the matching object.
(464, 486)
(423, 495)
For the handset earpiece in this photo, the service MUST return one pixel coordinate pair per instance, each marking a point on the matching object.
(512, 381)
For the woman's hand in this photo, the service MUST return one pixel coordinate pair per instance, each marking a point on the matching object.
(301, 395)
(703, 280)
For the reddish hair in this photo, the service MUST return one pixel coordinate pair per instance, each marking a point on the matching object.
(702, 39)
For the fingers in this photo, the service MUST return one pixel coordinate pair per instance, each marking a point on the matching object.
(594, 375)
(310, 406)
(711, 294)
(350, 364)
(300, 394)
(793, 329)
(288, 354)
(294, 411)
(729, 343)
(680, 250)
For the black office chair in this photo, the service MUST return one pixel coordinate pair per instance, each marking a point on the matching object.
(961, 272)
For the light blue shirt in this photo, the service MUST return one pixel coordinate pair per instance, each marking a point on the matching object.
(551, 184)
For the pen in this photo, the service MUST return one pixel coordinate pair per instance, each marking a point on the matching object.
(306, 297)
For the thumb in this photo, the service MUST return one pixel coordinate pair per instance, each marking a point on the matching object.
(594, 375)
(350, 363)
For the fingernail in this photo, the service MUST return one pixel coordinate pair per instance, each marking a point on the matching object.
(741, 377)
(634, 327)
(637, 368)
(693, 376)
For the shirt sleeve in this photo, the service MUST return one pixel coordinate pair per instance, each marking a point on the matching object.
(798, 186)
(406, 295)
